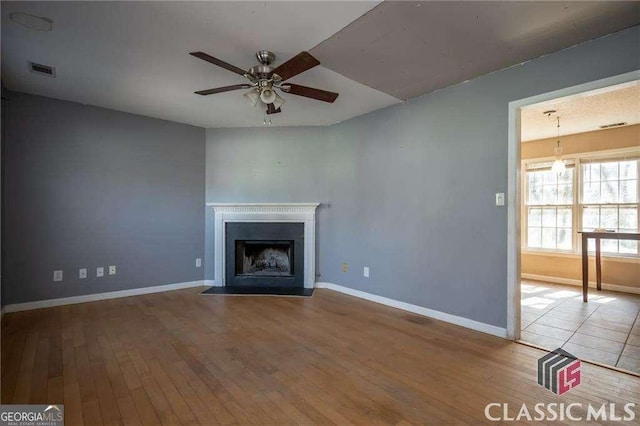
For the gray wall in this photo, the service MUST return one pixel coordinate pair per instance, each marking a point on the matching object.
(287, 164)
(87, 187)
(410, 190)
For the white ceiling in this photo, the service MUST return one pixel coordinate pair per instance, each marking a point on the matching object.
(133, 57)
(584, 112)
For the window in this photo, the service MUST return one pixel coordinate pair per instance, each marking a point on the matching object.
(550, 209)
(594, 192)
(610, 201)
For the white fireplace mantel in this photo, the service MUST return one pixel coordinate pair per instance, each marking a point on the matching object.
(266, 212)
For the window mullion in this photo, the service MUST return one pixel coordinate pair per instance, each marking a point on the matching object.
(638, 203)
(525, 208)
(577, 197)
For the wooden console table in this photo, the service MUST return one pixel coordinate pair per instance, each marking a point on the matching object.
(598, 235)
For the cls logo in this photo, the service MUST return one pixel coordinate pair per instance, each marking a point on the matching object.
(559, 371)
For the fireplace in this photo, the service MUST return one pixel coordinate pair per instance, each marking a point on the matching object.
(260, 254)
(302, 255)
(264, 258)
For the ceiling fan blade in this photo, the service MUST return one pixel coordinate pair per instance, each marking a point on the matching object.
(271, 109)
(222, 89)
(218, 62)
(300, 63)
(309, 92)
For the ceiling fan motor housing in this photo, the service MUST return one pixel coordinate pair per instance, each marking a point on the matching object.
(265, 71)
(265, 57)
(262, 72)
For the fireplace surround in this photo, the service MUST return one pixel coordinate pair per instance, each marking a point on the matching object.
(301, 258)
(264, 254)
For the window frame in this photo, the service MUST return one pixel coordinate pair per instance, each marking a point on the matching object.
(525, 209)
(577, 205)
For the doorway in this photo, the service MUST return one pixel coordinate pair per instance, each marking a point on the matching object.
(548, 208)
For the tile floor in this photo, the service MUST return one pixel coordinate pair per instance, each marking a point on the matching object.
(604, 330)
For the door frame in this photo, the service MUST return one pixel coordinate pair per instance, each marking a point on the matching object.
(514, 187)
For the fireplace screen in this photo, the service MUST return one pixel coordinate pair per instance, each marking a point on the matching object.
(264, 258)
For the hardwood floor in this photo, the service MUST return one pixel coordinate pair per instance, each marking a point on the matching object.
(182, 358)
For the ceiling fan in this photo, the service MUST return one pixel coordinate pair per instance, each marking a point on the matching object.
(264, 79)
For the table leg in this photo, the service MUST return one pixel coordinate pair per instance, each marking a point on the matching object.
(585, 269)
(598, 265)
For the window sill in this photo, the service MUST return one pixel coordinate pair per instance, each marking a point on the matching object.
(573, 255)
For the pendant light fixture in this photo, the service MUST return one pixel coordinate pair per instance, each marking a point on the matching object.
(558, 166)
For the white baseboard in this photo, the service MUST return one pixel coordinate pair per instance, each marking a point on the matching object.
(212, 283)
(571, 281)
(442, 316)
(39, 304)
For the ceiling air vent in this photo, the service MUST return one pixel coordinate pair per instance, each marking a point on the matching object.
(608, 126)
(42, 69)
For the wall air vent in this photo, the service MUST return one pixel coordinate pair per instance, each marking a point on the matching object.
(608, 126)
(42, 69)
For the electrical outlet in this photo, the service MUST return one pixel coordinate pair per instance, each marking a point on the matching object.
(365, 271)
(500, 199)
(100, 272)
(57, 275)
(345, 267)
(82, 273)
(112, 270)
(198, 262)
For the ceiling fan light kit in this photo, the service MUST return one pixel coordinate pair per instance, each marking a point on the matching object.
(267, 95)
(264, 79)
(253, 96)
(278, 101)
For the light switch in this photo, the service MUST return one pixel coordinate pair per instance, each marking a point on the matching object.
(365, 272)
(500, 199)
